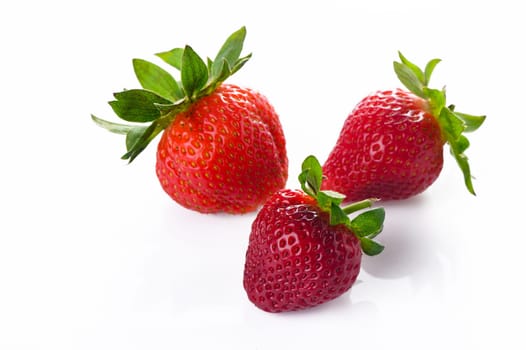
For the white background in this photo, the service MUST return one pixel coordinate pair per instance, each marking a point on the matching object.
(93, 255)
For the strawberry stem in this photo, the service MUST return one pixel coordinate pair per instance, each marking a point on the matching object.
(353, 207)
(364, 226)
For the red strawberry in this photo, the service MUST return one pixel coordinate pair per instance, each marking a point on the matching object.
(223, 149)
(391, 145)
(303, 248)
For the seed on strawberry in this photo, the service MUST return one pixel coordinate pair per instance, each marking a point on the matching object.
(222, 147)
(303, 249)
(391, 145)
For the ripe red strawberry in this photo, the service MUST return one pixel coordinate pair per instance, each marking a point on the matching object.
(391, 145)
(223, 149)
(303, 248)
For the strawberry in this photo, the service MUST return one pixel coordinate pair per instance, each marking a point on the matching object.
(391, 145)
(303, 248)
(222, 147)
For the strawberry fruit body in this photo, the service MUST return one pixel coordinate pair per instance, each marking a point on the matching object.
(303, 248)
(225, 153)
(222, 147)
(391, 145)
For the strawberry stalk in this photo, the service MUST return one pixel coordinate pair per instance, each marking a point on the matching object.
(365, 226)
(453, 124)
(356, 206)
(151, 109)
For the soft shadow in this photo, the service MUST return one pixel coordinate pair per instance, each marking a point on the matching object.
(412, 248)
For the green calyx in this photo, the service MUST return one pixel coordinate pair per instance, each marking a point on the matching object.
(452, 123)
(365, 226)
(154, 107)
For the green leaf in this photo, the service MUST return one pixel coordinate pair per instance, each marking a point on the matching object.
(302, 178)
(462, 144)
(134, 135)
(209, 64)
(452, 128)
(327, 198)
(430, 67)
(138, 139)
(194, 73)
(463, 163)
(173, 57)
(240, 63)
(337, 216)
(409, 79)
(156, 79)
(324, 201)
(223, 74)
(436, 98)
(230, 51)
(137, 105)
(311, 176)
(370, 247)
(111, 126)
(177, 106)
(417, 72)
(336, 197)
(368, 223)
(471, 122)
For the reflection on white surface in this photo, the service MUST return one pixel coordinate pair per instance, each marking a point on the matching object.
(413, 251)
